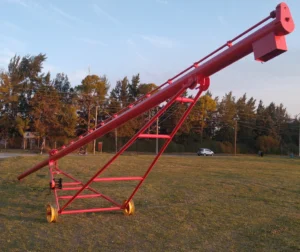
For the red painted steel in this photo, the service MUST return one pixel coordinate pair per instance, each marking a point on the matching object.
(117, 179)
(269, 47)
(80, 196)
(91, 210)
(183, 99)
(150, 122)
(266, 42)
(71, 183)
(52, 167)
(71, 188)
(58, 171)
(153, 136)
(165, 144)
(282, 25)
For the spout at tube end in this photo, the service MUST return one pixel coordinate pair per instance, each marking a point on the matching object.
(284, 16)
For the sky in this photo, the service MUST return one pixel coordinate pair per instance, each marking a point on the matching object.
(155, 38)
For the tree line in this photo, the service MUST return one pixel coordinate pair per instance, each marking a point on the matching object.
(30, 100)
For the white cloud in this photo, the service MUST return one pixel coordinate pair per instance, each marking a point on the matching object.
(43, 13)
(5, 56)
(64, 14)
(130, 42)
(134, 46)
(100, 12)
(62, 23)
(91, 41)
(19, 2)
(13, 43)
(222, 20)
(30, 4)
(159, 41)
(162, 1)
(77, 76)
(140, 56)
(66, 17)
(6, 51)
(49, 68)
(4, 61)
(10, 25)
(9, 47)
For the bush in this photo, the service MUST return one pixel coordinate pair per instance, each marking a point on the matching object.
(268, 144)
(224, 147)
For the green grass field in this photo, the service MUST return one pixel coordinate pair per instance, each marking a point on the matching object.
(186, 204)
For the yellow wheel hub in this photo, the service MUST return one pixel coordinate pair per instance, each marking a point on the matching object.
(52, 214)
(129, 209)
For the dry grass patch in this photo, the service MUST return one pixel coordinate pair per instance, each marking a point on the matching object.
(186, 204)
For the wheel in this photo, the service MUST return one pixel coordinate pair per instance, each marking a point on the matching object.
(52, 184)
(130, 209)
(52, 213)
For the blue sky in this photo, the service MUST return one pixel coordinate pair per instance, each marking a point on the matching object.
(156, 38)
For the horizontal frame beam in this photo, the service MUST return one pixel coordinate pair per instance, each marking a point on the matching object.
(91, 210)
(117, 179)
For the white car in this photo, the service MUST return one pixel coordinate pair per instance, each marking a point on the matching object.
(205, 152)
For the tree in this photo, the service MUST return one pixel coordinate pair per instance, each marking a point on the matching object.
(201, 113)
(120, 92)
(22, 124)
(226, 114)
(267, 144)
(91, 93)
(270, 116)
(45, 112)
(62, 84)
(18, 86)
(290, 135)
(120, 97)
(146, 88)
(246, 123)
(133, 87)
(26, 75)
(260, 129)
(281, 119)
(8, 107)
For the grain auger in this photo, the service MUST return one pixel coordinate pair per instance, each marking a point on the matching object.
(266, 40)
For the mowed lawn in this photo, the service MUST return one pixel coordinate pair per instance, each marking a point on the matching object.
(187, 203)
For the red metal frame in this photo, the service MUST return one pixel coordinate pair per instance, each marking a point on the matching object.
(53, 167)
(266, 42)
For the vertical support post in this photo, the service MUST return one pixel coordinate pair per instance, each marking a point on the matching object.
(182, 119)
(116, 139)
(96, 121)
(149, 119)
(235, 136)
(299, 138)
(299, 131)
(157, 134)
(201, 139)
(52, 167)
